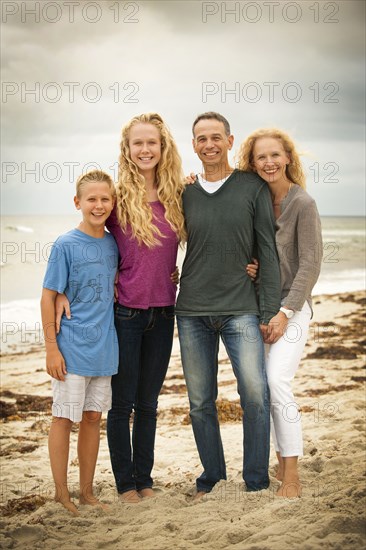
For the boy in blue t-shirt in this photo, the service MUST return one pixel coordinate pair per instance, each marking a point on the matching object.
(83, 356)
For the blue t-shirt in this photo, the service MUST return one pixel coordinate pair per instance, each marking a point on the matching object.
(84, 268)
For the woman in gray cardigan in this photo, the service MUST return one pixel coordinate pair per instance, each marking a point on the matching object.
(272, 154)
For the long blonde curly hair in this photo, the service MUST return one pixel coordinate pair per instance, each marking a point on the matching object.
(132, 206)
(294, 170)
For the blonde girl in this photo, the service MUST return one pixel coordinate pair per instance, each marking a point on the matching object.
(147, 224)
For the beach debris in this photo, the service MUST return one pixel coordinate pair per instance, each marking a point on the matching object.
(227, 411)
(328, 389)
(24, 403)
(334, 352)
(27, 504)
(15, 448)
(173, 388)
(358, 378)
(7, 409)
(351, 298)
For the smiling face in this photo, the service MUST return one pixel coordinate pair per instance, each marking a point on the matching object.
(95, 200)
(144, 142)
(211, 144)
(270, 159)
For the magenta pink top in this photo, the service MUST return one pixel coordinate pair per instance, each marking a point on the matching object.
(144, 273)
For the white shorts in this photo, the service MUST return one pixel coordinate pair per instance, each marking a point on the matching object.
(81, 393)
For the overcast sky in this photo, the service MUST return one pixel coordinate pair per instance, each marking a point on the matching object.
(94, 65)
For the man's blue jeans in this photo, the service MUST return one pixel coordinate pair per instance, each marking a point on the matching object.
(145, 340)
(199, 343)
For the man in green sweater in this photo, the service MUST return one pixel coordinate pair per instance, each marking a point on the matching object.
(227, 213)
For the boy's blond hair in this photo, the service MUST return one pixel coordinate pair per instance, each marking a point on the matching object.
(95, 176)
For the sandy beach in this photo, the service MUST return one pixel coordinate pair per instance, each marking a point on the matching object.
(330, 389)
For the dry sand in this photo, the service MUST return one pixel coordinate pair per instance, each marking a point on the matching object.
(331, 513)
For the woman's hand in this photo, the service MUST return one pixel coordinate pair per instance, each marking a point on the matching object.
(190, 179)
(252, 269)
(62, 306)
(276, 328)
(174, 277)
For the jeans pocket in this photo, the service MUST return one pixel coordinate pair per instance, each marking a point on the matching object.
(125, 313)
(168, 312)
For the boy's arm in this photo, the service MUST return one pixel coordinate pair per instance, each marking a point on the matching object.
(55, 362)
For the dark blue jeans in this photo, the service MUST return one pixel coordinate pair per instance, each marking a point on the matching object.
(145, 340)
(199, 344)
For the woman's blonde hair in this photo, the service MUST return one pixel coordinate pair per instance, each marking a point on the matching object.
(92, 177)
(132, 205)
(294, 170)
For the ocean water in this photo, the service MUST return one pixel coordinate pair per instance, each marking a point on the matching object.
(27, 240)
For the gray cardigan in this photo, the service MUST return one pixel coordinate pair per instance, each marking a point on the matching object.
(299, 246)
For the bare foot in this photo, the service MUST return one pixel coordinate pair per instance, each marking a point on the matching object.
(93, 501)
(199, 495)
(70, 506)
(146, 493)
(280, 467)
(130, 497)
(290, 489)
(279, 474)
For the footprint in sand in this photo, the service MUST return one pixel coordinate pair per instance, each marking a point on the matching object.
(317, 465)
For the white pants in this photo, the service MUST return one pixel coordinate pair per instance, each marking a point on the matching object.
(282, 362)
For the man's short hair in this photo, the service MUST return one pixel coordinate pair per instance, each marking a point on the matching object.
(212, 115)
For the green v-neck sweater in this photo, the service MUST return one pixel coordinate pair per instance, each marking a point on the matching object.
(225, 229)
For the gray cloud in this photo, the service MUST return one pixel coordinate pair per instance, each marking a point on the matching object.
(162, 63)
